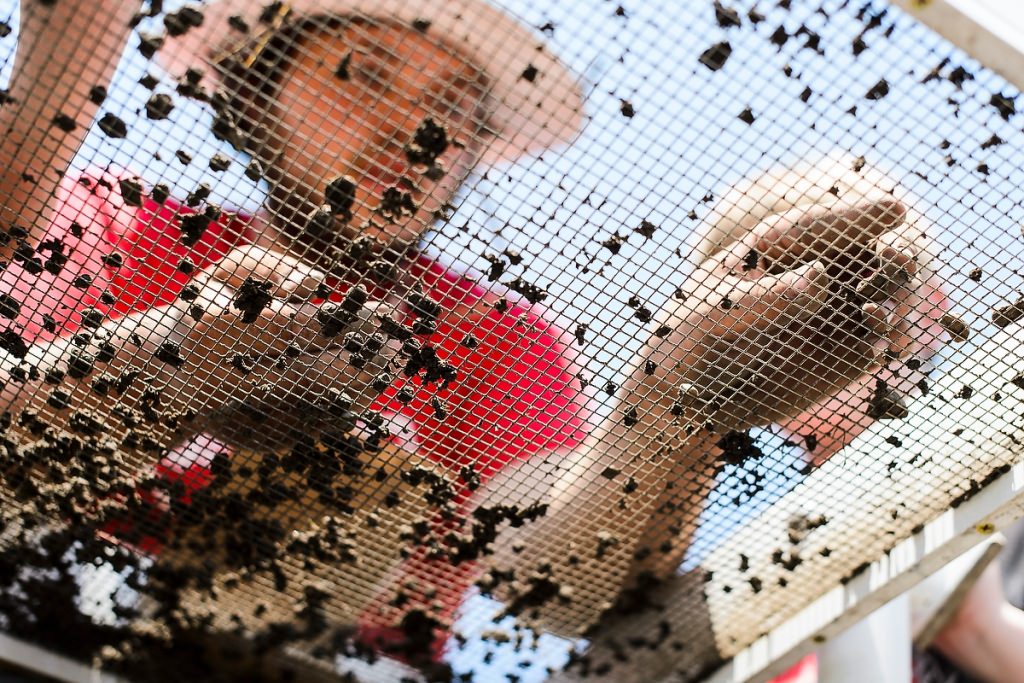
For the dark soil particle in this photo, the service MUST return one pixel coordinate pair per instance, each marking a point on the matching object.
(64, 122)
(238, 23)
(161, 192)
(251, 299)
(992, 142)
(340, 195)
(626, 109)
(886, 403)
(180, 22)
(428, 143)
(747, 116)
(149, 81)
(646, 229)
(9, 306)
(531, 292)
(1008, 314)
(1004, 104)
(614, 243)
(149, 44)
(396, 204)
(131, 191)
(59, 399)
(955, 327)
(727, 17)
(779, 37)
(169, 353)
(878, 90)
(159, 106)
(97, 94)
(194, 225)
(716, 56)
(738, 447)
(112, 126)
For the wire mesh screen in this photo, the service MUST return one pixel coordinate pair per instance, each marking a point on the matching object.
(465, 340)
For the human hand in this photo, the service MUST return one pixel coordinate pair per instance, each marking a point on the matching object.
(246, 341)
(797, 307)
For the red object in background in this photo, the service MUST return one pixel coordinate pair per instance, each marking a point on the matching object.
(804, 671)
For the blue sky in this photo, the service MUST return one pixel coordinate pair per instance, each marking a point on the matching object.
(685, 141)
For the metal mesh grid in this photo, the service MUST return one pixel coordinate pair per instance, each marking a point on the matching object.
(598, 319)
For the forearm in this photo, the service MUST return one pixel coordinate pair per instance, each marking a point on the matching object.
(984, 638)
(106, 375)
(64, 49)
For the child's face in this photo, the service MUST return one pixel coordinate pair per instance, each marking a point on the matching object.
(351, 103)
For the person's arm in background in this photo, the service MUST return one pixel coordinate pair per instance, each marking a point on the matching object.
(65, 49)
(985, 638)
(760, 333)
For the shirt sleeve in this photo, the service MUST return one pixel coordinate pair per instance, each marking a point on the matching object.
(50, 281)
(112, 256)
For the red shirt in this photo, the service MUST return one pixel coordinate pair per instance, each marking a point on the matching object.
(515, 392)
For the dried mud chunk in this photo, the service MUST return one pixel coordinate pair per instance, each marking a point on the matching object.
(131, 191)
(738, 447)
(886, 403)
(9, 306)
(747, 116)
(64, 122)
(429, 142)
(626, 109)
(112, 126)
(97, 94)
(878, 90)
(252, 298)
(180, 22)
(530, 73)
(955, 327)
(726, 16)
(159, 106)
(716, 56)
(149, 43)
(340, 195)
(169, 353)
(1004, 104)
(219, 163)
(12, 343)
(1008, 314)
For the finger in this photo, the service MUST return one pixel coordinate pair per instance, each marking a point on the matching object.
(803, 234)
(221, 333)
(311, 321)
(317, 379)
(289, 277)
(768, 300)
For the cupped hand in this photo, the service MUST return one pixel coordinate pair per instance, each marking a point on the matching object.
(794, 309)
(246, 343)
